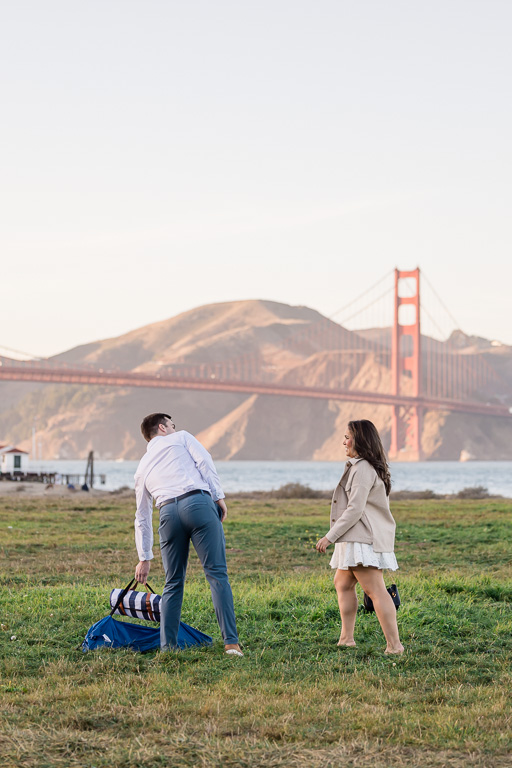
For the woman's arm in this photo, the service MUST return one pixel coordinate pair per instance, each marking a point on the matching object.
(362, 481)
(357, 498)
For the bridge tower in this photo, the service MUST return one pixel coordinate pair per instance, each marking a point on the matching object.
(406, 424)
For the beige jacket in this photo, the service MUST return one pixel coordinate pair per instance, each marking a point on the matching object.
(360, 508)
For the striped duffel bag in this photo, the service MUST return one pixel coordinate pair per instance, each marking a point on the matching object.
(140, 605)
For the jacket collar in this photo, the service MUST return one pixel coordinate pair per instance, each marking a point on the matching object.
(348, 466)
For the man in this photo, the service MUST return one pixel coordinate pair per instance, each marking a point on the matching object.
(178, 473)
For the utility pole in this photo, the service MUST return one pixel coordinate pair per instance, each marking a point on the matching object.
(89, 470)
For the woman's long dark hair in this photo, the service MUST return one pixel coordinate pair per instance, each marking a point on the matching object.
(368, 445)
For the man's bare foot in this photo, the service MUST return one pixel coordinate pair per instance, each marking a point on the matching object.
(233, 649)
(350, 643)
(395, 651)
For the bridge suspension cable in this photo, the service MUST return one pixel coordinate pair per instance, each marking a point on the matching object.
(19, 352)
(452, 318)
(367, 306)
(362, 295)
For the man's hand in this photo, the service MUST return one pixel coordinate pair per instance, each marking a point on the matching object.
(142, 571)
(322, 544)
(222, 506)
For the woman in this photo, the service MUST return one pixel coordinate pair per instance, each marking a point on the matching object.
(363, 533)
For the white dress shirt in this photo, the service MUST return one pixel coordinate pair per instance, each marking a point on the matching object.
(173, 464)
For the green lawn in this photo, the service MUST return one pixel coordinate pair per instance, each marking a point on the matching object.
(295, 699)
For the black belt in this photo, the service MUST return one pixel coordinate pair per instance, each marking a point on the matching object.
(183, 496)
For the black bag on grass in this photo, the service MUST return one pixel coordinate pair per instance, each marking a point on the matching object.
(393, 591)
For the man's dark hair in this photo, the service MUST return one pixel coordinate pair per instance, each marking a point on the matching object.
(149, 426)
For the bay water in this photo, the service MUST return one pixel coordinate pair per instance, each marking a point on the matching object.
(442, 477)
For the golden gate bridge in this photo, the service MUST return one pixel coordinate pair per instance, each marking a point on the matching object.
(416, 372)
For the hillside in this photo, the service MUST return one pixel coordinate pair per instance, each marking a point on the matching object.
(291, 344)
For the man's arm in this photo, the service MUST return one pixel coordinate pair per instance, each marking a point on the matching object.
(205, 465)
(143, 529)
(223, 508)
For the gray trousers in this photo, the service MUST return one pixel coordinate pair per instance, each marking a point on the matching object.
(195, 518)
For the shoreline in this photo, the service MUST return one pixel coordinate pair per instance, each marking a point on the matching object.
(9, 488)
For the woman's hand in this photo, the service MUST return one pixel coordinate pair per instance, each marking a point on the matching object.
(323, 544)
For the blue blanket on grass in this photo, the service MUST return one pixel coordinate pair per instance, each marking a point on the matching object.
(110, 633)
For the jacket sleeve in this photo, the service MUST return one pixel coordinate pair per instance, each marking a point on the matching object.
(205, 465)
(143, 520)
(357, 498)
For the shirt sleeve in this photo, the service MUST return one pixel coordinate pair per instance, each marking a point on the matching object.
(143, 520)
(205, 465)
(358, 496)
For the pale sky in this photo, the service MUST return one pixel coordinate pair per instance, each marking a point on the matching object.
(161, 155)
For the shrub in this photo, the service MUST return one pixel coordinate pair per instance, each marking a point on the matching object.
(408, 495)
(478, 492)
(296, 491)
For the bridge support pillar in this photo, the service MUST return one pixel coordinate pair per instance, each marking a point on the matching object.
(406, 422)
(406, 429)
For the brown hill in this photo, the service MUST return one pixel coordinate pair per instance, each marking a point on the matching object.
(291, 343)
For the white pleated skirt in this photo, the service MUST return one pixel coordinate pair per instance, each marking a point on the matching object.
(348, 554)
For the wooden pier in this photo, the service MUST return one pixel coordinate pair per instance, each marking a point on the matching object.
(51, 478)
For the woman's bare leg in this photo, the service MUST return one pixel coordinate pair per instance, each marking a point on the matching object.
(345, 583)
(372, 582)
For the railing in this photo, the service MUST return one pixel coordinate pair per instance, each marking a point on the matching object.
(181, 378)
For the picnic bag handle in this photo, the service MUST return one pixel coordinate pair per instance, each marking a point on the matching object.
(132, 584)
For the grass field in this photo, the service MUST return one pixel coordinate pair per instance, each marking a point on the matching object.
(295, 699)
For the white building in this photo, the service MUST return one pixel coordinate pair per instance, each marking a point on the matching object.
(13, 459)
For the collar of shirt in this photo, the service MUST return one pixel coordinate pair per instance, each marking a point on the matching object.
(155, 441)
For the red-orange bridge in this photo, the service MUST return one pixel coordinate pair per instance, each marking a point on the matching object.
(457, 385)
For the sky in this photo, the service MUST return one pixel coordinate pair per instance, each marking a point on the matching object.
(161, 155)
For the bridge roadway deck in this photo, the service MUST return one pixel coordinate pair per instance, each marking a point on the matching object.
(56, 375)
